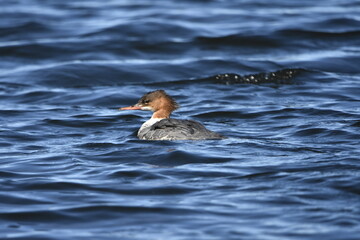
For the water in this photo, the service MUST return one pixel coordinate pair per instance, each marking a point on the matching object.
(71, 166)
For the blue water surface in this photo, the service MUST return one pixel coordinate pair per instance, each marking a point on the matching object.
(71, 166)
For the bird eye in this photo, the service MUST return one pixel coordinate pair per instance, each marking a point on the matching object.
(146, 101)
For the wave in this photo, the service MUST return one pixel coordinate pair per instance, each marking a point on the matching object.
(325, 35)
(20, 31)
(234, 40)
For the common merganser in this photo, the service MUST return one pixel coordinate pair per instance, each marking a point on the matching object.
(161, 127)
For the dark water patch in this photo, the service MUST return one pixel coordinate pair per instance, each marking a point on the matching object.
(21, 31)
(125, 209)
(323, 112)
(356, 123)
(204, 174)
(267, 175)
(12, 113)
(18, 200)
(32, 51)
(92, 121)
(5, 144)
(346, 36)
(284, 113)
(340, 24)
(36, 216)
(177, 158)
(80, 75)
(163, 191)
(8, 174)
(96, 146)
(36, 96)
(237, 41)
(8, 87)
(19, 136)
(59, 186)
(284, 76)
(349, 188)
(334, 167)
(227, 114)
(135, 175)
(91, 74)
(324, 132)
(33, 148)
(138, 31)
(283, 148)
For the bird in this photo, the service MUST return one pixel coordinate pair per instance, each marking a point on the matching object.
(161, 127)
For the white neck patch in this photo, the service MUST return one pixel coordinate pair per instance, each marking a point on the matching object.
(149, 123)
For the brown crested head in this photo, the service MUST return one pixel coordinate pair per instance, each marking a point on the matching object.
(158, 100)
